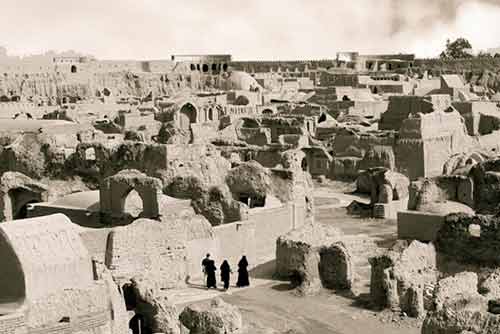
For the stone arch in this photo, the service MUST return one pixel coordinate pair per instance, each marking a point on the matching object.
(20, 199)
(4, 98)
(214, 67)
(187, 114)
(335, 267)
(16, 193)
(115, 190)
(210, 114)
(12, 281)
(267, 112)
(133, 204)
(205, 68)
(73, 69)
(106, 92)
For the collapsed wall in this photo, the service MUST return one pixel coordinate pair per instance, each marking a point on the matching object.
(313, 256)
(470, 239)
(401, 278)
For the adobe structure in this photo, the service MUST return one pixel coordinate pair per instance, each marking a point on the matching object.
(361, 176)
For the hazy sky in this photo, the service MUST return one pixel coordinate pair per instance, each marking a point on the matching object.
(250, 29)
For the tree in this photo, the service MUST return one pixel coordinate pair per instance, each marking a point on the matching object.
(460, 48)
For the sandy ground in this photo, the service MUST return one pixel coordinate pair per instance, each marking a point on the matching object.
(271, 306)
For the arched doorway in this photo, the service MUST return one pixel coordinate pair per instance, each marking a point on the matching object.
(133, 204)
(20, 200)
(187, 115)
(73, 69)
(267, 112)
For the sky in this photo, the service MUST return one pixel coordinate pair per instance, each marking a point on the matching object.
(247, 29)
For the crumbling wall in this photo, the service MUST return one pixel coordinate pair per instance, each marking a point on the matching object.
(298, 257)
(471, 239)
(459, 308)
(150, 250)
(428, 191)
(400, 277)
(486, 177)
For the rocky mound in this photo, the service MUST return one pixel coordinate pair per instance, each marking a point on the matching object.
(213, 317)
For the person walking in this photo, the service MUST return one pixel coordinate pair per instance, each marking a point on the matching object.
(243, 279)
(225, 274)
(204, 263)
(210, 270)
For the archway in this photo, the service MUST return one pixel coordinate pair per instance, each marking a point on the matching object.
(210, 114)
(20, 199)
(106, 92)
(73, 69)
(133, 204)
(267, 112)
(187, 115)
(205, 68)
(13, 292)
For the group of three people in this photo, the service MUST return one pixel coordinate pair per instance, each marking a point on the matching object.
(209, 268)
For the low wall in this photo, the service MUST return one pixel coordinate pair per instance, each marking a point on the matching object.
(256, 237)
(417, 225)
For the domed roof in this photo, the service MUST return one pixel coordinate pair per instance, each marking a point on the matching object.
(240, 80)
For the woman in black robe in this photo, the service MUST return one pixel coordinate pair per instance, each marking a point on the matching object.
(210, 271)
(243, 273)
(225, 274)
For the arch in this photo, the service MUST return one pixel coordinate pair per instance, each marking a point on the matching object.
(133, 204)
(12, 280)
(224, 67)
(90, 154)
(205, 68)
(116, 190)
(73, 69)
(187, 115)
(193, 67)
(214, 67)
(106, 92)
(210, 114)
(4, 98)
(20, 198)
(267, 112)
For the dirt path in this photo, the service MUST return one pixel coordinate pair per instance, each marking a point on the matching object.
(272, 307)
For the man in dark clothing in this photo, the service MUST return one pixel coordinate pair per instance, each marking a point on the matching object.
(243, 279)
(210, 270)
(204, 263)
(225, 274)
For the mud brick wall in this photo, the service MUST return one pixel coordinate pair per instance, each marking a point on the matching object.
(148, 249)
(471, 239)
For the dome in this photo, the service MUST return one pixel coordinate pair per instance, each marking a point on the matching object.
(239, 80)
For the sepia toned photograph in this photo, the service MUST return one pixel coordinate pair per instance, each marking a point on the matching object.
(250, 167)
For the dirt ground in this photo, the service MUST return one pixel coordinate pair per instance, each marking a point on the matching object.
(274, 308)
